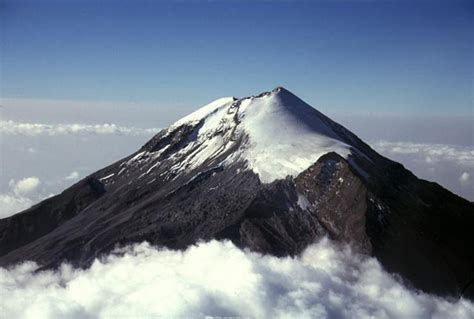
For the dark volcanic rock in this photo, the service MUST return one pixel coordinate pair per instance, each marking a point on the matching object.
(179, 188)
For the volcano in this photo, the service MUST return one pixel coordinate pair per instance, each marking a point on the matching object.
(268, 172)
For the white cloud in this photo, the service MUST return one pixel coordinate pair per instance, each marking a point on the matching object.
(431, 153)
(73, 176)
(22, 194)
(465, 178)
(218, 279)
(33, 129)
(24, 186)
(11, 204)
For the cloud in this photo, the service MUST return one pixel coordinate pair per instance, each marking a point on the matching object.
(430, 153)
(33, 129)
(218, 279)
(22, 194)
(73, 176)
(24, 186)
(11, 204)
(441, 163)
(465, 178)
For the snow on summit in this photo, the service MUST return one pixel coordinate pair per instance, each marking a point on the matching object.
(280, 135)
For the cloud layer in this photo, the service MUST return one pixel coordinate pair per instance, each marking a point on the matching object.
(218, 279)
(452, 166)
(429, 153)
(33, 129)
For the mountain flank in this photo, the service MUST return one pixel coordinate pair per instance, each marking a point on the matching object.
(268, 172)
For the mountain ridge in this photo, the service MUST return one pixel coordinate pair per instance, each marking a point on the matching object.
(268, 172)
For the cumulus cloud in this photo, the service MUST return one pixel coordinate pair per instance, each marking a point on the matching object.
(33, 129)
(430, 153)
(21, 195)
(218, 279)
(11, 204)
(25, 185)
(73, 176)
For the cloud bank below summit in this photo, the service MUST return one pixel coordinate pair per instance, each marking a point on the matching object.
(218, 279)
(450, 165)
(430, 153)
(33, 129)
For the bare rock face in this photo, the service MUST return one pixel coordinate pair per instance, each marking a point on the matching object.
(219, 173)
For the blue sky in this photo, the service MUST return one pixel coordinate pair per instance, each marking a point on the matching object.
(351, 57)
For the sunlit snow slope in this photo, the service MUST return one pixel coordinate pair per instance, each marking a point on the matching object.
(282, 134)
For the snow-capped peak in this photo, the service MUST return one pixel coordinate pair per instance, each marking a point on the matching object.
(278, 134)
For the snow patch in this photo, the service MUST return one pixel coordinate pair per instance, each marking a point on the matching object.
(303, 202)
(107, 177)
(204, 111)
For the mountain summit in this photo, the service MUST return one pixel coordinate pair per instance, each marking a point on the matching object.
(275, 133)
(268, 172)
